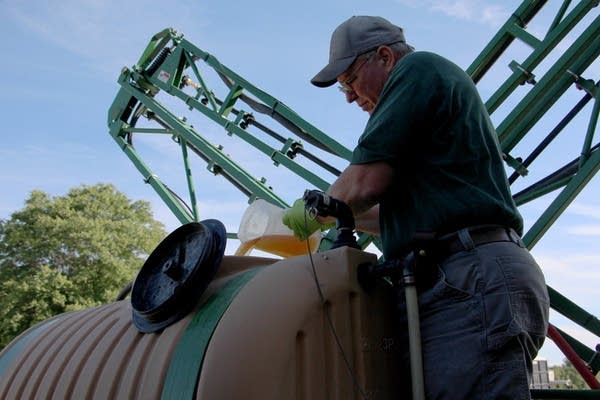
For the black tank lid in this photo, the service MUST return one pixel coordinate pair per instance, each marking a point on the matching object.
(176, 274)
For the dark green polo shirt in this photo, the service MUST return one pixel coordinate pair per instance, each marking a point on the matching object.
(432, 127)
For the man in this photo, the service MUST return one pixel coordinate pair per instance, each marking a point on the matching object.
(429, 161)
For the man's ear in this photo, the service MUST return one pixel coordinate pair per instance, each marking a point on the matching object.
(386, 55)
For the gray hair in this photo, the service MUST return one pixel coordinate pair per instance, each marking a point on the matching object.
(401, 48)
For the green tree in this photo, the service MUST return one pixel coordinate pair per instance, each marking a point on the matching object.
(568, 373)
(70, 252)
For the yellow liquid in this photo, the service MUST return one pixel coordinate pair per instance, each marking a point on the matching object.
(281, 245)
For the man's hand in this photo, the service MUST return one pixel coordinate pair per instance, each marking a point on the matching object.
(302, 225)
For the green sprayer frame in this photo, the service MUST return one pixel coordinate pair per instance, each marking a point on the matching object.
(177, 70)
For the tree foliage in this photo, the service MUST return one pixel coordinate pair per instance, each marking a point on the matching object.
(70, 252)
(569, 377)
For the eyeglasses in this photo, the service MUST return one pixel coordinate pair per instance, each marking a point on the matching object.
(346, 85)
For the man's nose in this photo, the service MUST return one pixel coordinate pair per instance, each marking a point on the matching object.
(351, 96)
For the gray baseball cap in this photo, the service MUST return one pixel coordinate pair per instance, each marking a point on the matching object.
(355, 36)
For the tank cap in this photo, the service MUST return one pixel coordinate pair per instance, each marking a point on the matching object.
(176, 273)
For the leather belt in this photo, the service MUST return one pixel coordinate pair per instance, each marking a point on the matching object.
(449, 244)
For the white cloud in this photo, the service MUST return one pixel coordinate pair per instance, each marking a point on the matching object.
(579, 266)
(458, 9)
(590, 212)
(585, 230)
(108, 34)
(494, 15)
(586, 210)
(471, 10)
(573, 275)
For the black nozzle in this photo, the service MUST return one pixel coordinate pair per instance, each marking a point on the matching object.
(324, 205)
(321, 204)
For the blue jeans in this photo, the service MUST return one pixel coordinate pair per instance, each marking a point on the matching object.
(483, 317)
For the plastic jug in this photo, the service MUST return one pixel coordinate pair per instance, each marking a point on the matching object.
(261, 228)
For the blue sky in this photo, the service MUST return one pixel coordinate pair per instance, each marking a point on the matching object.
(61, 61)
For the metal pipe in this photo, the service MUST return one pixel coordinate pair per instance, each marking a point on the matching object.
(414, 332)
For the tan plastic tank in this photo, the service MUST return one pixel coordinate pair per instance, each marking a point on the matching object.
(261, 330)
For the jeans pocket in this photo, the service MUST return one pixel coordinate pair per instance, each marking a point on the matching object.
(519, 307)
(459, 279)
(451, 307)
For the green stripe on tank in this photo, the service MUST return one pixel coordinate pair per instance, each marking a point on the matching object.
(184, 369)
